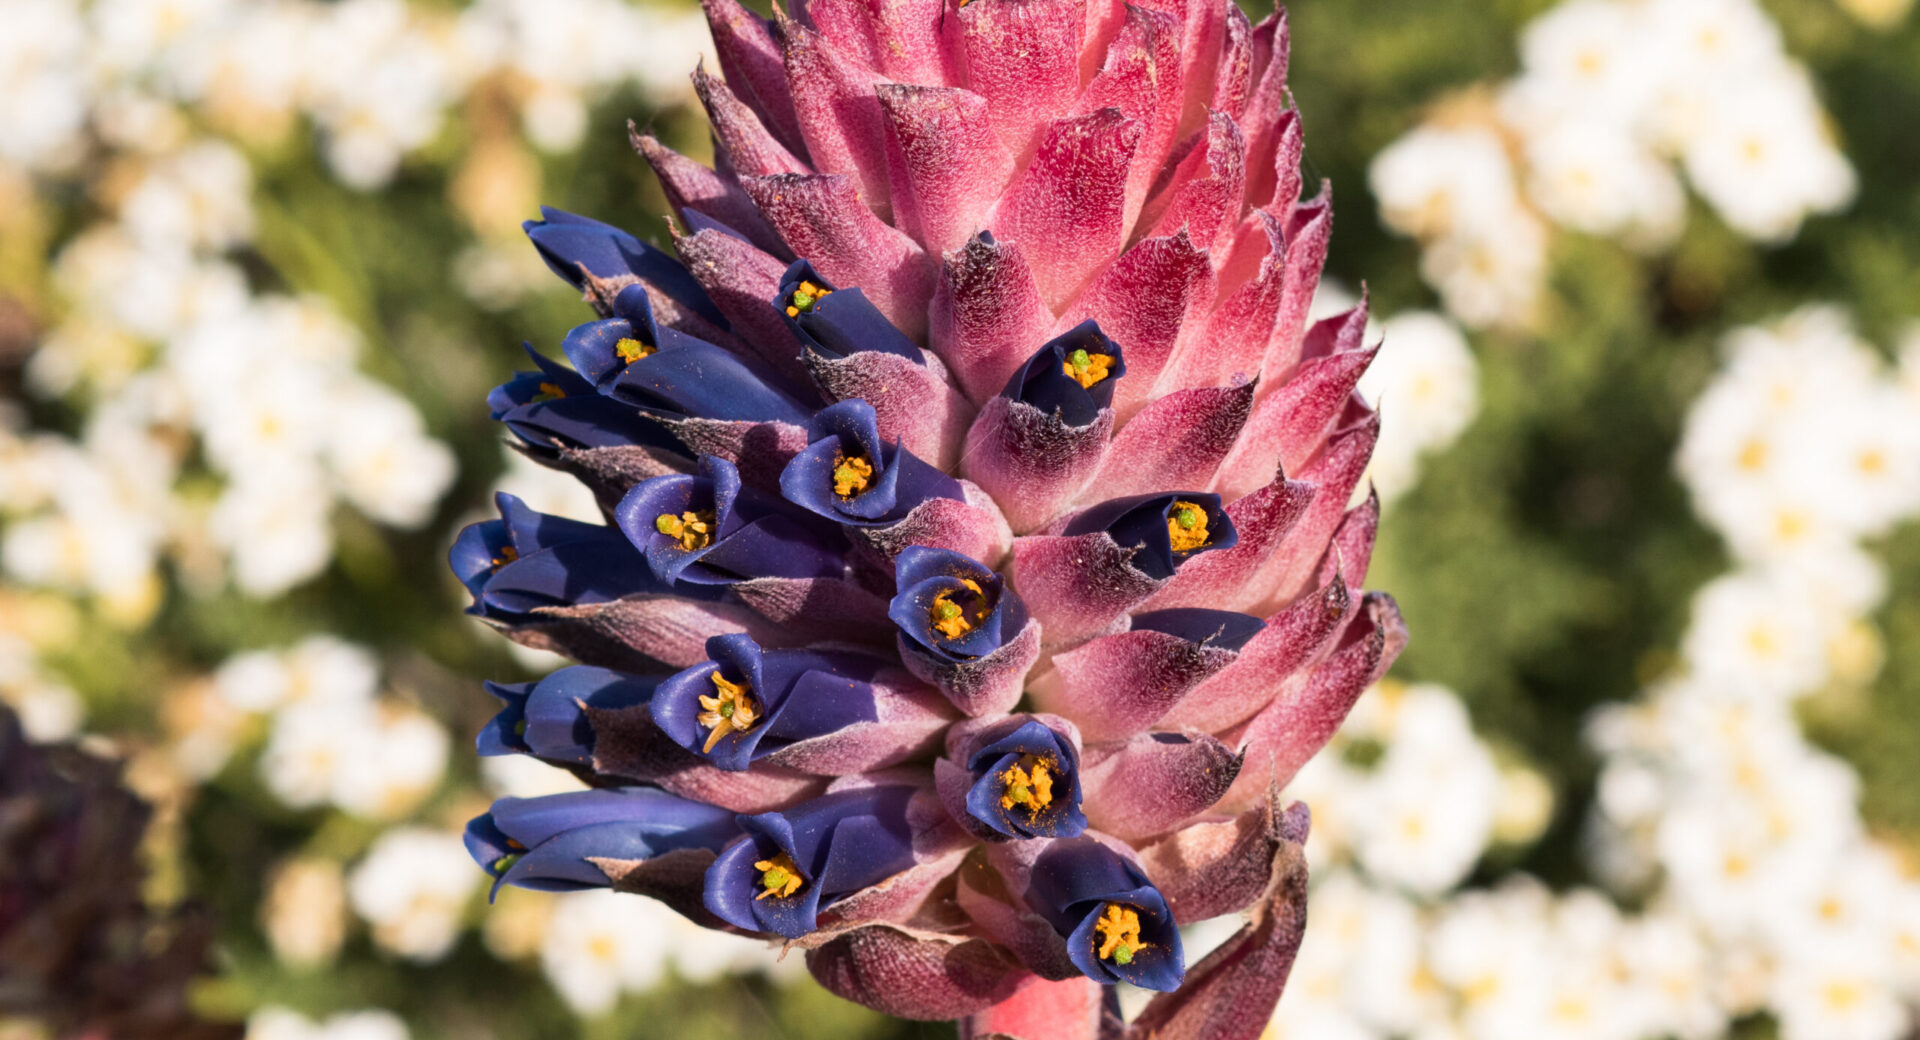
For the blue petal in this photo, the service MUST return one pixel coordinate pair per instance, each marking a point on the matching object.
(1043, 383)
(503, 734)
(1227, 629)
(568, 242)
(1141, 521)
(1072, 882)
(1061, 819)
(843, 322)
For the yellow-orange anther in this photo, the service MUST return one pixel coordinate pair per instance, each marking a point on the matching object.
(851, 476)
(693, 530)
(549, 392)
(1029, 783)
(805, 298)
(1086, 368)
(1119, 932)
(731, 709)
(779, 876)
(507, 555)
(631, 350)
(1186, 526)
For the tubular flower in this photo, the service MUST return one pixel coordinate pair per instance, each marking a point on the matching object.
(982, 543)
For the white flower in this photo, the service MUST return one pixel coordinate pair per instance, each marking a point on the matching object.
(198, 198)
(1837, 992)
(1428, 387)
(273, 524)
(399, 760)
(384, 462)
(1756, 634)
(600, 943)
(1436, 181)
(1596, 177)
(318, 668)
(1490, 273)
(304, 912)
(413, 887)
(1762, 156)
(278, 1023)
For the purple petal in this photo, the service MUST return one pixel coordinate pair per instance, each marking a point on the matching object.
(1150, 783)
(823, 219)
(1145, 301)
(929, 979)
(944, 168)
(1176, 441)
(1066, 207)
(839, 114)
(987, 313)
(739, 137)
(1228, 579)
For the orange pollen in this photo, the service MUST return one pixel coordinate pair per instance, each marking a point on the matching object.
(806, 298)
(1086, 368)
(1119, 932)
(1186, 526)
(631, 350)
(851, 476)
(693, 530)
(731, 709)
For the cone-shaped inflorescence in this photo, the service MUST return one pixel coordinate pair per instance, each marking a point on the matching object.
(983, 544)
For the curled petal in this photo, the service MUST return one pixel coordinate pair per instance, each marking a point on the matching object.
(1141, 77)
(823, 219)
(1308, 232)
(1032, 461)
(930, 978)
(1176, 441)
(970, 525)
(1233, 342)
(638, 633)
(944, 168)
(1218, 865)
(1291, 641)
(741, 277)
(987, 313)
(1123, 683)
(823, 850)
(985, 685)
(1066, 207)
(850, 475)
(1203, 198)
(1025, 781)
(750, 60)
(1150, 783)
(839, 114)
(691, 186)
(1234, 77)
(1231, 993)
(628, 744)
(1280, 739)
(1145, 301)
(913, 402)
(1080, 586)
(739, 136)
(836, 321)
(1336, 471)
(1227, 579)
(1023, 58)
(1084, 889)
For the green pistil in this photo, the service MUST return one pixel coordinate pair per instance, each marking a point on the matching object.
(1187, 518)
(666, 523)
(803, 301)
(520, 728)
(726, 709)
(1123, 954)
(506, 862)
(1079, 359)
(774, 878)
(947, 610)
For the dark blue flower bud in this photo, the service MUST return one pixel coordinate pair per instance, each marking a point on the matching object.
(554, 407)
(848, 475)
(671, 375)
(528, 559)
(548, 843)
(1027, 784)
(1116, 924)
(547, 718)
(747, 703)
(792, 864)
(953, 606)
(575, 247)
(707, 529)
(1167, 527)
(837, 322)
(1072, 375)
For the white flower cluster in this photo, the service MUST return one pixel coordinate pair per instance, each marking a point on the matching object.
(1762, 891)
(331, 739)
(278, 1023)
(375, 77)
(1614, 101)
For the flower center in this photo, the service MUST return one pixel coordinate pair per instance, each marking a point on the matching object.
(508, 554)
(1186, 526)
(1029, 784)
(805, 298)
(548, 392)
(779, 876)
(731, 709)
(693, 530)
(1119, 932)
(950, 619)
(631, 349)
(851, 475)
(1086, 369)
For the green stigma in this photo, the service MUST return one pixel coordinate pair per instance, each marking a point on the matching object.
(803, 300)
(1123, 954)
(1188, 518)
(506, 862)
(726, 709)
(1079, 359)
(666, 523)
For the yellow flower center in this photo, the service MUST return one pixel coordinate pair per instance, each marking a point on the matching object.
(805, 298)
(631, 350)
(549, 392)
(1119, 931)
(1029, 784)
(779, 876)
(508, 554)
(731, 709)
(1186, 526)
(851, 476)
(693, 530)
(1085, 368)
(950, 619)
